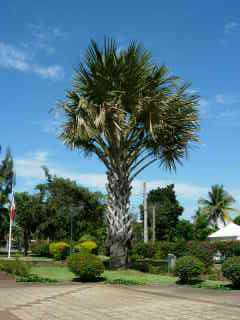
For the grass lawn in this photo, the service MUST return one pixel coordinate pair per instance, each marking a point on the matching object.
(127, 277)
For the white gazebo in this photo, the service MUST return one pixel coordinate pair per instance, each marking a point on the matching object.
(230, 232)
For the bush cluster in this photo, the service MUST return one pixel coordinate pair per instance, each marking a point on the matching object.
(87, 266)
(188, 269)
(59, 250)
(15, 267)
(40, 248)
(231, 270)
(86, 246)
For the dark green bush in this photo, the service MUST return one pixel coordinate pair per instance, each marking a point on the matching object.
(86, 265)
(40, 248)
(231, 270)
(188, 269)
(15, 267)
(204, 251)
(59, 250)
(228, 248)
(143, 250)
(35, 278)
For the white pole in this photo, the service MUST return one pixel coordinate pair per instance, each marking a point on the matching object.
(145, 217)
(10, 239)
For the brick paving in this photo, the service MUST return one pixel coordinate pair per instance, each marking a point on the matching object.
(99, 302)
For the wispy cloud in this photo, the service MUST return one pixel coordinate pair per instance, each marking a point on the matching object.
(44, 37)
(227, 99)
(30, 166)
(15, 58)
(230, 26)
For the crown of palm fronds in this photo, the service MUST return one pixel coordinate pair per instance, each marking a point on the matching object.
(124, 108)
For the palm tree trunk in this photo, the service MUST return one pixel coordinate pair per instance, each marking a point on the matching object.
(119, 221)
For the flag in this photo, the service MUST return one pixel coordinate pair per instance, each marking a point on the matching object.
(12, 209)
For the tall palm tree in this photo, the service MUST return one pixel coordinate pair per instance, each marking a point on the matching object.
(130, 113)
(218, 206)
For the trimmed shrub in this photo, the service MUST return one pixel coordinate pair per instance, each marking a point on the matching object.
(143, 250)
(88, 246)
(59, 250)
(231, 270)
(87, 237)
(40, 248)
(188, 269)
(87, 266)
(15, 267)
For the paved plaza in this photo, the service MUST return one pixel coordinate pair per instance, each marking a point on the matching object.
(99, 302)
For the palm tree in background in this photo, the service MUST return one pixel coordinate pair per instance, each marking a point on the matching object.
(131, 114)
(218, 206)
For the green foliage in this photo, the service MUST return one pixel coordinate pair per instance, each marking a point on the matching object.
(88, 245)
(228, 248)
(201, 226)
(218, 205)
(87, 266)
(35, 278)
(231, 270)
(168, 211)
(59, 250)
(15, 267)
(87, 237)
(40, 248)
(237, 220)
(62, 199)
(188, 269)
(204, 251)
(184, 230)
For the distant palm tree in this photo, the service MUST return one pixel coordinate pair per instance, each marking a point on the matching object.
(218, 206)
(130, 113)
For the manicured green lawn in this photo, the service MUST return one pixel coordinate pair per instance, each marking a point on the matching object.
(59, 273)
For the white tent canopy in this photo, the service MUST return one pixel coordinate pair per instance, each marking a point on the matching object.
(230, 232)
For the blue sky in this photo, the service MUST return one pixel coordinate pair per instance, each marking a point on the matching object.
(42, 41)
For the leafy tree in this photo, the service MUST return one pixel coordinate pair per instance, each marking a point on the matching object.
(202, 228)
(28, 215)
(184, 230)
(168, 211)
(63, 199)
(130, 113)
(237, 220)
(6, 182)
(218, 205)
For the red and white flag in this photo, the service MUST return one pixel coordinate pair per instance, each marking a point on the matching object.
(12, 209)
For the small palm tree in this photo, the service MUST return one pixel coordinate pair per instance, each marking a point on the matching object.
(130, 113)
(218, 206)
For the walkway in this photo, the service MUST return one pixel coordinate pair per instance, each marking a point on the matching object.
(103, 302)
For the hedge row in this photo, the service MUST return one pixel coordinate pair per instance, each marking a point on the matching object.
(204, 251)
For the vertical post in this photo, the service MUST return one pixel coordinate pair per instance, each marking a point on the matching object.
(145, 212)
(10, 239)
(154, 223)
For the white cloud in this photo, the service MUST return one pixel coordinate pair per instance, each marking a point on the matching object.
(230, 26)
(45, 36)
(12, 57)
(220, 98)
(30, 166)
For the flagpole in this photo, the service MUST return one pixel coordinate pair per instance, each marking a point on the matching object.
(10, 228)
(10, 239)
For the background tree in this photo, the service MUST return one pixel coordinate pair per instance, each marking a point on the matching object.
(184, 230)
(130, 113)
(218, 206)
(201, 226)
(63, 198)
(6, 181)
(168, 211)
(28, 216)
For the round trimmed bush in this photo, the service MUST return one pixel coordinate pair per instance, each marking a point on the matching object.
(87, 266)
(59, 250)
(87, 237)
(15, 267)
(231, 270)
(188, 268)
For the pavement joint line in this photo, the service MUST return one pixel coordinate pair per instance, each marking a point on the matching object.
(47, 298)
(169, 295)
